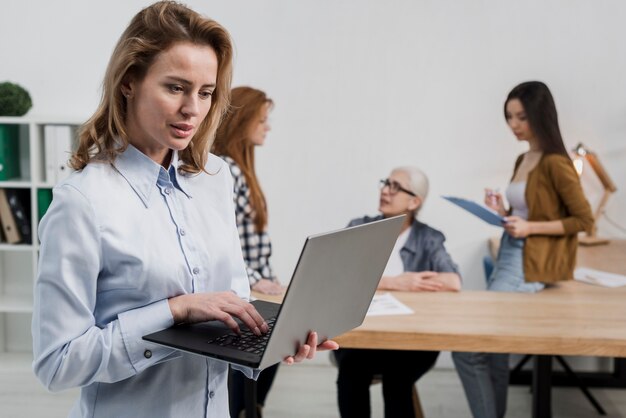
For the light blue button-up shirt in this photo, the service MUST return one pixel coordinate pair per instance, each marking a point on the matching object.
(117, 241)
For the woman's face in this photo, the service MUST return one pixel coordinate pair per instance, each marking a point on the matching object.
(518, 121)
(400, 202)
(167, 106)
(260, 126)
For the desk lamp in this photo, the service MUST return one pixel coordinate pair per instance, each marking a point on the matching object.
(583, 156)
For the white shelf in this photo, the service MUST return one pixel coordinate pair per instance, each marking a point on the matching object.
(16, 247)
(42, 120)
(40, 185)
(18, 262)
(16, 184)
(16, 304)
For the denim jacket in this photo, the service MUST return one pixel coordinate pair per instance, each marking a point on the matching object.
(423, 250)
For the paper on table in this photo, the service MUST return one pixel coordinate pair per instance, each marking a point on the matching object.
(598, 277)
(387, 304)
(483, 212)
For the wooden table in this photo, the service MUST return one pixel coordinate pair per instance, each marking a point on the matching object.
(570, 318)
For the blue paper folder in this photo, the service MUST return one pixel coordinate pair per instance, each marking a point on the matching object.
(483, 212)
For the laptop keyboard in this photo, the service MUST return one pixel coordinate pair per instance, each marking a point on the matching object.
(247, 341)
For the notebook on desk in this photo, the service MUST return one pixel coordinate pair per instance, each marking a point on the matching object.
(330, 291)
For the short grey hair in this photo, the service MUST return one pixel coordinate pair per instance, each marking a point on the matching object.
(418, 182)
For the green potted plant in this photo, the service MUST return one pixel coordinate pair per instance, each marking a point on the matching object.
(14, 100)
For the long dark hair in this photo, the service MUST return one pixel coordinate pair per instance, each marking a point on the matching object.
(541, 113)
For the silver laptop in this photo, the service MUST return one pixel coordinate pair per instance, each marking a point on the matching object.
(330, 291)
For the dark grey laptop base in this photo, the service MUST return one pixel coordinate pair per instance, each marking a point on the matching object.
(195, 338)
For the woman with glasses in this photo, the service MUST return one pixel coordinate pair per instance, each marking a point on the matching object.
(539, 243)
(419, 262)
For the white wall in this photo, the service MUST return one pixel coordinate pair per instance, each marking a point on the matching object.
(363, 86)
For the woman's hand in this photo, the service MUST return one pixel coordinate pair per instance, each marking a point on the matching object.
(517, 227)
(308, 350)
(412, 281)
(221, 306)
(268, 287)
(493, 200)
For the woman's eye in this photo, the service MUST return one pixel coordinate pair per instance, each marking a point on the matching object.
(205, 94)
(175, 88)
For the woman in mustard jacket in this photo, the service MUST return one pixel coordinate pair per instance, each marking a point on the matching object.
(538, 246)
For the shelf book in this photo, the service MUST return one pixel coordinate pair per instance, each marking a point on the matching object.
(9, 152)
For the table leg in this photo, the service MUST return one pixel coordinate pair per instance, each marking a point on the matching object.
(542, 386)
(250, 398)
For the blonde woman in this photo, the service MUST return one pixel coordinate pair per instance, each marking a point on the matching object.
(143, 235)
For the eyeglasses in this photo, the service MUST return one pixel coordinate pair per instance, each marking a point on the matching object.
(394, 187)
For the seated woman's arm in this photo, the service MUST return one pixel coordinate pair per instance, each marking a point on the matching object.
(439, 272)
(423, 281)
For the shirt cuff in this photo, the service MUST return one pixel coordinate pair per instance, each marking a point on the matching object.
(138, 322)
(247, 371)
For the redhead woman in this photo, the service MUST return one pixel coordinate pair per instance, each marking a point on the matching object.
(243, 129)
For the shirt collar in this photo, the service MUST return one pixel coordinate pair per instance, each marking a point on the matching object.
(142, 173)
(179, 180)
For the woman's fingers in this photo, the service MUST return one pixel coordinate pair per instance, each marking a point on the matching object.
(308, 350)
(248, 314)
(327, 345)
(312, 343)
(302, 353)
(229, 321)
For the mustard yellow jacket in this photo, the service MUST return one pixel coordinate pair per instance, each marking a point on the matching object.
(553, 192)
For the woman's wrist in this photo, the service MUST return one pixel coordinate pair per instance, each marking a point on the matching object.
(176, 309)
(386, 283)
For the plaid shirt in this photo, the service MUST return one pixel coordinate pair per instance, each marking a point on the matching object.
(256, 247)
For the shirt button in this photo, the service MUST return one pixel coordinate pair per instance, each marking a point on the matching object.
(182, 231)
(147, 354)
(211, 394)
(196, 270)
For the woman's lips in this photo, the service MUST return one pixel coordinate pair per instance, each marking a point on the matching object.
(182, 130)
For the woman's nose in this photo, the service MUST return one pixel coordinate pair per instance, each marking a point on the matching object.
(190, 106)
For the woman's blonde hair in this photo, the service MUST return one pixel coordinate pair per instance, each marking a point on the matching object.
(232, 140)
(153, 30)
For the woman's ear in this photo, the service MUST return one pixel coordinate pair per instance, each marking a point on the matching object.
(415, 203)
(127, 87)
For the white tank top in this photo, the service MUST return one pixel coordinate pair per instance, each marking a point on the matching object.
(515, 194)
(395, 266)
